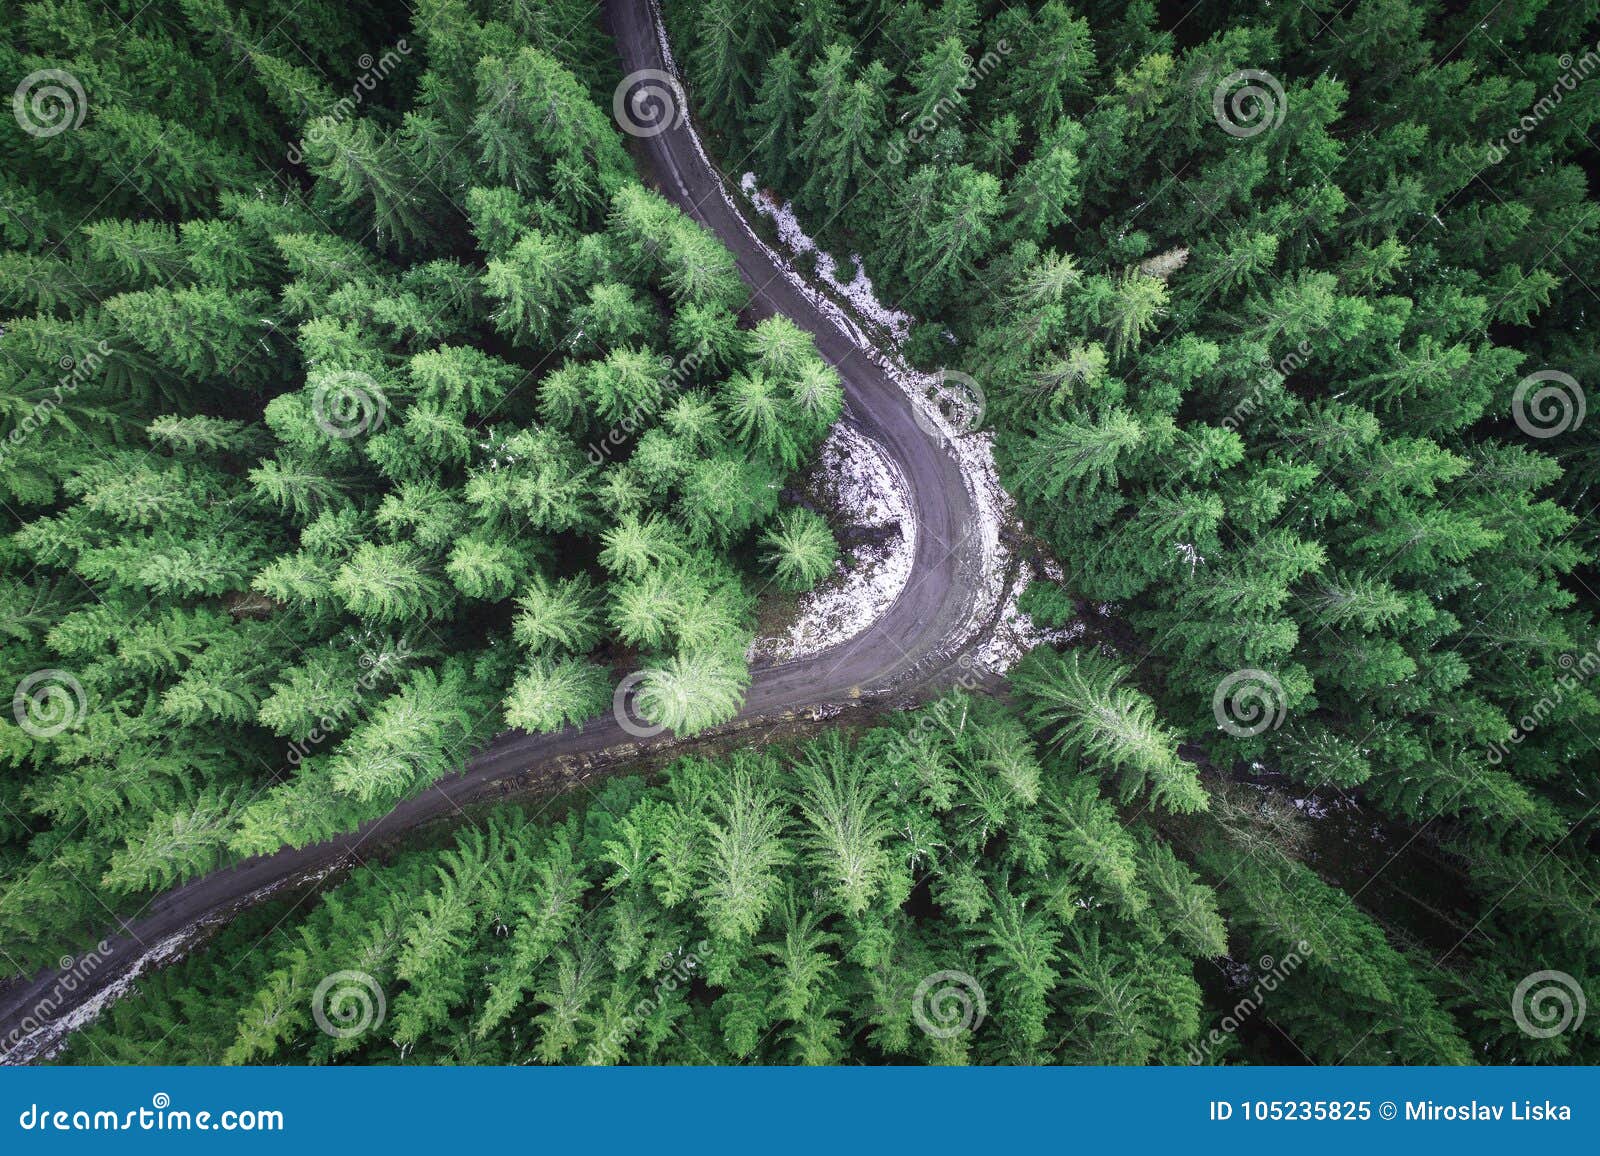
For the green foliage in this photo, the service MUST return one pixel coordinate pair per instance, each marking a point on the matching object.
(800, 549)
(815, 906)
(338, 433)
(1262, 388)
(1080, 702)
(342, 432)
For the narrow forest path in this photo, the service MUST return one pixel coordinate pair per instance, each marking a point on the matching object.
(931, 627)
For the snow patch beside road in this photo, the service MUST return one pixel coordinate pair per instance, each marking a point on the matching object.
(51, 1032)
(1002, 579)
(864, 489)
(858, 291)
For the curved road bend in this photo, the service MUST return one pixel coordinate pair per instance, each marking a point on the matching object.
(910, 643)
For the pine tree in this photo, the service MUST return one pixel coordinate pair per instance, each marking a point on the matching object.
(801, 549)
(1088, 713)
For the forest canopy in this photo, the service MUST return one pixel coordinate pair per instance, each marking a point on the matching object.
(1280, 317)
(362, 399)
(382, 431)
